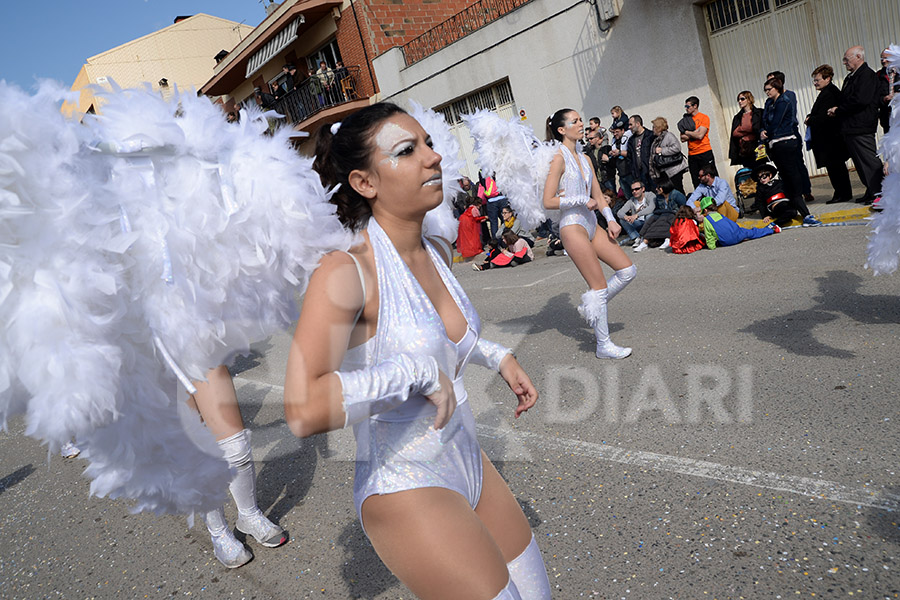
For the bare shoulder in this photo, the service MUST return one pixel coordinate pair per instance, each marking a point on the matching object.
(341, 278)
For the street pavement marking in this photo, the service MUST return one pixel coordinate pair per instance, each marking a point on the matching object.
(526, 285)
(804, 486)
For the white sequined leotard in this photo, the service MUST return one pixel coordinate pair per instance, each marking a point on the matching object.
(577, 181)
(400, 449)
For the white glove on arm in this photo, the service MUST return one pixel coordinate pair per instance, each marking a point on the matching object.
(387, 385)
(489, 354)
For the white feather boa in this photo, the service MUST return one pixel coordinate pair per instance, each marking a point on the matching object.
(439, 221)
(519, 161)
(884, 243)
(156, 221)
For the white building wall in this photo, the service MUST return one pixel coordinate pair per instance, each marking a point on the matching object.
(648, 60)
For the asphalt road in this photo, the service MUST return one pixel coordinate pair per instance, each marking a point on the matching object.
(747, 449)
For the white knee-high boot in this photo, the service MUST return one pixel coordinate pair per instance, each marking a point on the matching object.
(529, 573)
(593, 309)
(617, 282)
(250, 520)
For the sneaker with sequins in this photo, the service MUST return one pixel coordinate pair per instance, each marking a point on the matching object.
(262, 529)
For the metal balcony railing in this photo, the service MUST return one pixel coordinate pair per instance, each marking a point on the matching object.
(318, 92)
(456, 27)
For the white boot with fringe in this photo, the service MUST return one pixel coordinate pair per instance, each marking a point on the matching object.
(593, 309)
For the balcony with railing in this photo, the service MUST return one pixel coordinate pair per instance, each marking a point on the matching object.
(318, 94)
(457, 27)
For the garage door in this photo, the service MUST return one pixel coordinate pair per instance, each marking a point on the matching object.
(750, 38)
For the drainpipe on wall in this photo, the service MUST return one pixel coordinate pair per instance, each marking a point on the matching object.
(363, 42)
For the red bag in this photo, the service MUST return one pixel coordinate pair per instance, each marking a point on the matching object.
(684, 236)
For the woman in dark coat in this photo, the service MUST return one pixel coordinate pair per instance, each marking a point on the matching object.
(745, 128)
(825, 135)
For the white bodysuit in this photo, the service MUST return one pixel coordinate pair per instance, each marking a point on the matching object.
(576, 184)
(400, 449)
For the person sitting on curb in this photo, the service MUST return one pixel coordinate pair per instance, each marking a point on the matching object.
(509, 222)
(635, 211)
(657, 225)
(516, 252)
(718, 230)
(771, 201)
(714, 186)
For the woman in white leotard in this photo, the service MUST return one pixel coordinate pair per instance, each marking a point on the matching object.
(572, 188)
(382, 344)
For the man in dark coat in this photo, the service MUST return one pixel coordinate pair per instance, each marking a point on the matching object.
(825, 137)
(858, 113)
(639, 151)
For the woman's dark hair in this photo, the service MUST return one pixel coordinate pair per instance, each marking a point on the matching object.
(509, 238)
(349, 149)
(777, 84)
(555, 122)
(664, 182)
(685, 212)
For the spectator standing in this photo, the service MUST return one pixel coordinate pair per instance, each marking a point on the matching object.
(326, 81)
(264, 99)
(493, 202)
(694, 128)
(858, 113)
(745, 128)
(666, 156)
(599, 155)
(594, 126)
(713, 186)
(825, 137)
(639, 150)
(635, 211)
(783, 142)
(618, 155)
(889, 79)
(791, 97)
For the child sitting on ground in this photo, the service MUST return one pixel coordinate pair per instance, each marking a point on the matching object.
(684, 236)
(516, 252)
(771, 201)
(722, 231)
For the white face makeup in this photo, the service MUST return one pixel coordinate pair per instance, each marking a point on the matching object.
(392, 140)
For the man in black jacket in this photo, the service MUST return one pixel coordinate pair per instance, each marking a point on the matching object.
(858, 112)
(639, 151)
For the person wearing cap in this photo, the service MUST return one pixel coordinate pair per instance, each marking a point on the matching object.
(771, 201)
(720, 231)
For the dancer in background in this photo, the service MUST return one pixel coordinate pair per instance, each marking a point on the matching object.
(216, 401)
(382, 344)
(572, 189)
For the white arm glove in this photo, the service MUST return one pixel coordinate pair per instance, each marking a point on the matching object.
(608, 214)
(573, 201)
(489, 354)
(387, 385)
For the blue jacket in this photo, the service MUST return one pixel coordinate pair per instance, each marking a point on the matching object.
(780, 117)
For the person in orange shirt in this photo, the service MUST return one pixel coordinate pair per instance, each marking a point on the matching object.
(699, 149)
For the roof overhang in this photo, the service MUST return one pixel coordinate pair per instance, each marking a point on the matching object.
(281, 30)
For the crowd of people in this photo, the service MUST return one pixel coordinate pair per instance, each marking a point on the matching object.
(643, 169)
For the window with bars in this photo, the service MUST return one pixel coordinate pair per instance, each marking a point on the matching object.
(725, 13)
(487, 98)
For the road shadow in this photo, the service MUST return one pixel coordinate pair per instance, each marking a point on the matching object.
(364, 574)
(838, 295)
(253, 359)
(15, 477)
(883, 522)
(560, 314)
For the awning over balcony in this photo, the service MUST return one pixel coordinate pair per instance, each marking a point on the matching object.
(281, 25)
(278, 43)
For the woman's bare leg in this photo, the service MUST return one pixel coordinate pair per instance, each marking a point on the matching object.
(433, 541)
(501, 514)
(217, 403)
(584, 255)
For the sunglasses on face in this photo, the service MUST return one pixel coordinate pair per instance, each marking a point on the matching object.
(741, 99)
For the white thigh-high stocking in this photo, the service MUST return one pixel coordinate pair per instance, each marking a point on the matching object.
(227, 548)
(617, 282)
(250, 520)
(593, 309)
(510, 592)
(529, 573)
